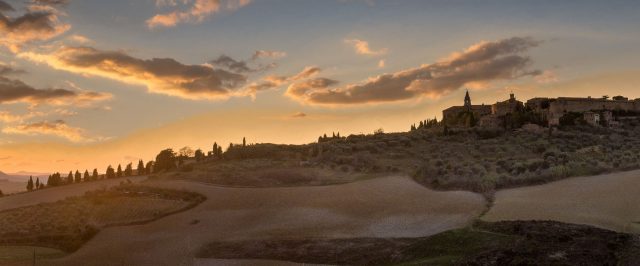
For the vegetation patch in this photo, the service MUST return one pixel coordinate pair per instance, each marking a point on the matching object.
(474, 159)
(69, 223)
(264, 173)
(26, 253)
(502, 243)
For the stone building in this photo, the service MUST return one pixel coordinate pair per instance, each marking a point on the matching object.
(553, 109)
(454, 116)
(602, 118)
(485, 115)
(507, 107)
(592, 118)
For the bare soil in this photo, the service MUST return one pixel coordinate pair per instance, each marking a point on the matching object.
(383, 207)
(610, 201)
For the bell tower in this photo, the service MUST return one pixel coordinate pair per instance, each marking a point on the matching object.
(467, 101)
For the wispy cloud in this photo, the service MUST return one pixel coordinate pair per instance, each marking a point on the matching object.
(16, 91)
(299, 115)
(57, 128)
(8, 117)
(268, 54)
(197, 11)
(362, 47)
(270, 82)
(547, 76)
(50, 2)
(77, 38)
(482, 62)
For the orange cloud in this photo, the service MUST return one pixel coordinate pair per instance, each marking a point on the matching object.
(7, 117)
(160, 75)
(16, 91)
(197, 12)
(40, 23)
(362, 47)
(57, 128)
(270, 82)
(480, 63)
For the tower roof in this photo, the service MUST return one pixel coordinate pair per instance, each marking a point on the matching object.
(467, 100)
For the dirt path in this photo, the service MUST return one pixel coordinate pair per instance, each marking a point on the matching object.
(383, 207)
(610, 201)
(59, 193)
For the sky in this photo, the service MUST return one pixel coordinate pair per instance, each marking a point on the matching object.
(88, 83)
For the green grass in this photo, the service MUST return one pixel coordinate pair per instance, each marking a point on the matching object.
(23, 253)
(448, 247)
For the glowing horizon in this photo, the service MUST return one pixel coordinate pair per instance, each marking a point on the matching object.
(85, 84)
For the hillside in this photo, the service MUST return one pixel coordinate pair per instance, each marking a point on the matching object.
(477, 160)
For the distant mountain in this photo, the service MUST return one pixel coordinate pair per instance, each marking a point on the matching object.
(17, 177)
(25, 173)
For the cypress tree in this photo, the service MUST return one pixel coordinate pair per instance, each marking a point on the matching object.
(78, 177)
(119, 171)
(148, 167)
(30, 184)
(128, 171)
(70, 177)
(87, 177)
(244, 142)
(38, 183)
(140, 170)
(94, 176)
(110, 173)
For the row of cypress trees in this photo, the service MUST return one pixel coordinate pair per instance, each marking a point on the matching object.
(57, 179)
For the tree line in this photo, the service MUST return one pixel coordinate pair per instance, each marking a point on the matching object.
(166, 160)
(57, 179)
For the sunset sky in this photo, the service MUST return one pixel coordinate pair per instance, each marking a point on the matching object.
(87, 83)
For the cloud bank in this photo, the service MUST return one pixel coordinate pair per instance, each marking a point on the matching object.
(480, 63)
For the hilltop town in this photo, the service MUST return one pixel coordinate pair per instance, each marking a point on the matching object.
(548, 112)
